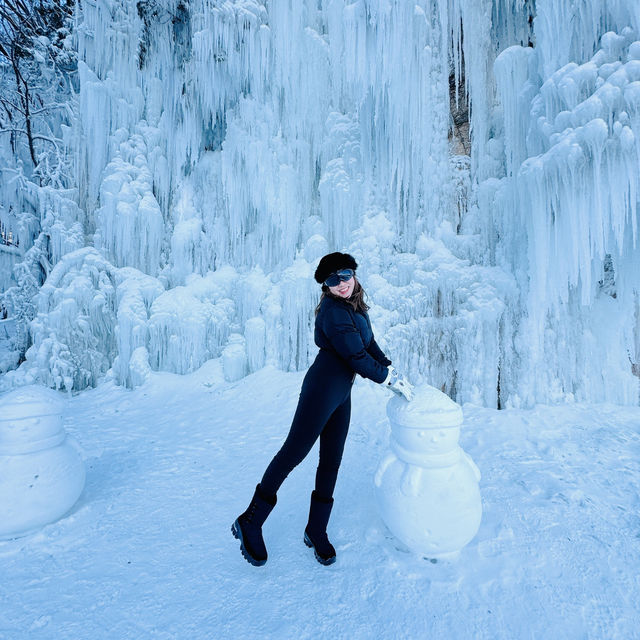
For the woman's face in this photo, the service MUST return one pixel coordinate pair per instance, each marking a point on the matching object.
(344, 289)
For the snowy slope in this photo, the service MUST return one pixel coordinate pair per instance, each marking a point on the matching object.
(147, 552)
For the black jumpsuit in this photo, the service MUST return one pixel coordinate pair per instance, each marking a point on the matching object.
(347, 347)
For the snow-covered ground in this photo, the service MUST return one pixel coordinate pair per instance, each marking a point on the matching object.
(147, 551)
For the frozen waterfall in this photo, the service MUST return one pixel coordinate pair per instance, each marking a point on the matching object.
(223, 147)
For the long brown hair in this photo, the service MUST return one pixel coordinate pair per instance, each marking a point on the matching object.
(355, 301)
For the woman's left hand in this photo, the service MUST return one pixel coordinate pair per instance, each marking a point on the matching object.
(396, 382)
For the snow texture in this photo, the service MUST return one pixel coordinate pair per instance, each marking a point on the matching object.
(147, 550)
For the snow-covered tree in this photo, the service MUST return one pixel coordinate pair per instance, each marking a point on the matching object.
(38, 65)
(38, 70)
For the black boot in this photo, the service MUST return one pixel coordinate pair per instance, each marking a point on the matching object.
(315, 535)
(248, 527)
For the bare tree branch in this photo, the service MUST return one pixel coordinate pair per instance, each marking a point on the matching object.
(35, 136)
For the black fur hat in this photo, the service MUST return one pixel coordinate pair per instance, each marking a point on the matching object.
(331, 263)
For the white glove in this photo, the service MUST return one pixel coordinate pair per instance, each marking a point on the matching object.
(398, 384)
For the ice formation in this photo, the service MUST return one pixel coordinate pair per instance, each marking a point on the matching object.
(222, 148)
(572, 164)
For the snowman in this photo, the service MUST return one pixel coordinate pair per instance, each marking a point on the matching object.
(426, 486)
(41, 472)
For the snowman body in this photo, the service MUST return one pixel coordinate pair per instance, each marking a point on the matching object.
(41, 472)
(427, 486)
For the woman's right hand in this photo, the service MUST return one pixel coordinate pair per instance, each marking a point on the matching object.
(396, 382)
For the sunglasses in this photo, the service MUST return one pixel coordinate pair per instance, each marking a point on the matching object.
(339, 276)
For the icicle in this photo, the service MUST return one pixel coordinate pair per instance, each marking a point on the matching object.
(515, 89)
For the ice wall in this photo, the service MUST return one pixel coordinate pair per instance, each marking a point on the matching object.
(223, 148)
(228, 146)
(572, 176)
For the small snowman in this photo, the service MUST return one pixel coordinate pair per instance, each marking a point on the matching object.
(41, 472)
(427, 486)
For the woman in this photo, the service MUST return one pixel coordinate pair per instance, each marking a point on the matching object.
(343, 333)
